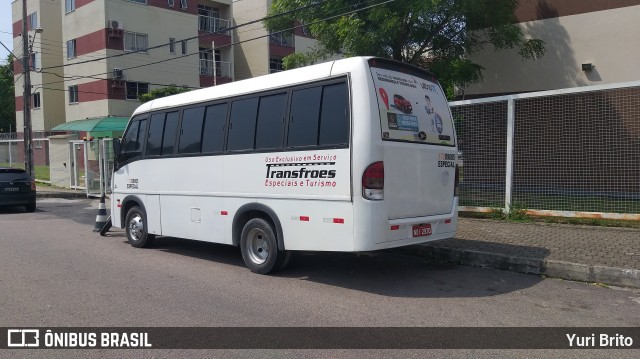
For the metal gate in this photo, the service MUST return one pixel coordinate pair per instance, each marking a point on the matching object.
(78, 165)
(91, 166)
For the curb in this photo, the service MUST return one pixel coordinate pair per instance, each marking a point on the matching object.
(65, 195)
(623, 277)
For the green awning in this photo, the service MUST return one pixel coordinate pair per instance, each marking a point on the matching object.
(94, 124)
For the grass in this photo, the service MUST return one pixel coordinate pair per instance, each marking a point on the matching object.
(42, 172)
(497, 214)
(492, 199)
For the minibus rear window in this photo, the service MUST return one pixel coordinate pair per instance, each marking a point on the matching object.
(412, 105)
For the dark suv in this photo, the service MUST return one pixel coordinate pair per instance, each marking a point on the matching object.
(17, 189)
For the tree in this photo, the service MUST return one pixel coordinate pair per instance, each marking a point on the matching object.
(7, 97)
(438, 35)
(161, 92)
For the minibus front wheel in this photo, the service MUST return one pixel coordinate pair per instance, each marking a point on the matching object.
(137, 228)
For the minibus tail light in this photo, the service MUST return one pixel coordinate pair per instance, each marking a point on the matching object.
(457, 182)
(373, 181)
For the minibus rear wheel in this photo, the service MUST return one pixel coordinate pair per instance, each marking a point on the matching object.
(259, 247)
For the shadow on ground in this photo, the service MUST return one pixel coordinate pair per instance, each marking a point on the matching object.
(385, 273)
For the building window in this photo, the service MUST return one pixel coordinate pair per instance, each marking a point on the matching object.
(73, 94)
(172, 45)
(135, 42)
(275, 65)
(38, 144)
(69, 5)
(136, 88)
(208, 19)
(306, 31)
(183, 4)
(170, 3)
(71, 49)
(184, 46)
(33, 61)
(33, 20)
(36, 100)
(282, 39)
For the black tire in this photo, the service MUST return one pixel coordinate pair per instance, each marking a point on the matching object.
(31, 207)
(137, 229)
(259, 247)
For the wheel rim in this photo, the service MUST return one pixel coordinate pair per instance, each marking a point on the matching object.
(136, 227)
(258, 246)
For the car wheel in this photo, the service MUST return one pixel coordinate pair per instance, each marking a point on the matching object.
(137, 229)
(259, 247)
(31, 207)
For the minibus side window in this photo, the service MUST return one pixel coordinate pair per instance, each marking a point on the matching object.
(213, 132)
(133, 140)
(156, 129)
(305, 114)
(242, 124)
(169, 136)
(191, 131)
(270, 127)
(334, 118)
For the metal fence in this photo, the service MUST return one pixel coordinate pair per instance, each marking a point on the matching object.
(12, 150)
(572, 153)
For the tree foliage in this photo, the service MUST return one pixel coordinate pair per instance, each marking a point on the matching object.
(161, 92)
(7, 97)
(435, 34)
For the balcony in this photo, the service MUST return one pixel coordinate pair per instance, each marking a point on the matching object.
(223, 69)
(212, 24)
(282, 39)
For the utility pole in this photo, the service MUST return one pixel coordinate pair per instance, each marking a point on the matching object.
(26, 71)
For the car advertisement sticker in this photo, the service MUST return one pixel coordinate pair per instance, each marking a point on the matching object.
(412, 108)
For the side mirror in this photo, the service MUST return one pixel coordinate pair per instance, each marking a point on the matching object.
(117, 147)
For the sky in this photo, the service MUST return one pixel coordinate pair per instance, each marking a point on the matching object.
(5, 28)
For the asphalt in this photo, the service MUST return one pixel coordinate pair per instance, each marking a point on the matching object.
(602, 255)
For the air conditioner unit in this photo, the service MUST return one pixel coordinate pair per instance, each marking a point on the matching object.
(114, 24)
(117, 73)
(115, 28)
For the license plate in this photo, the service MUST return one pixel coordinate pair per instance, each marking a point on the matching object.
(12, 189)
(422, 230)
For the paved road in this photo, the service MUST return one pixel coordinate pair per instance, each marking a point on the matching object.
(56, 272)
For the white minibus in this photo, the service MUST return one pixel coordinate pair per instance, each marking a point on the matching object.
(350, 155)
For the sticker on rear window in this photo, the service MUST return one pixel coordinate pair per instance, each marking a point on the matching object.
(412, 109)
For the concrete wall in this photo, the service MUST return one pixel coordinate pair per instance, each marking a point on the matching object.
(605, 38)
(59, 168)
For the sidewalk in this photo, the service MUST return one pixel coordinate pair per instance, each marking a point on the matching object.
(584, 253)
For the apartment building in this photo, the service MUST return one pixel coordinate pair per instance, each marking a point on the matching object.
(257, 52)
(588, 42)
(96, 56)
(47, 109)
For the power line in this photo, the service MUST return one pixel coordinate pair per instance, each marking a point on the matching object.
(243, 41)
(206, 34)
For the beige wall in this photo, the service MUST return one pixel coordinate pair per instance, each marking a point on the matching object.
(46, 45)
(251, 57)
(608, 39)
(153, 22)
